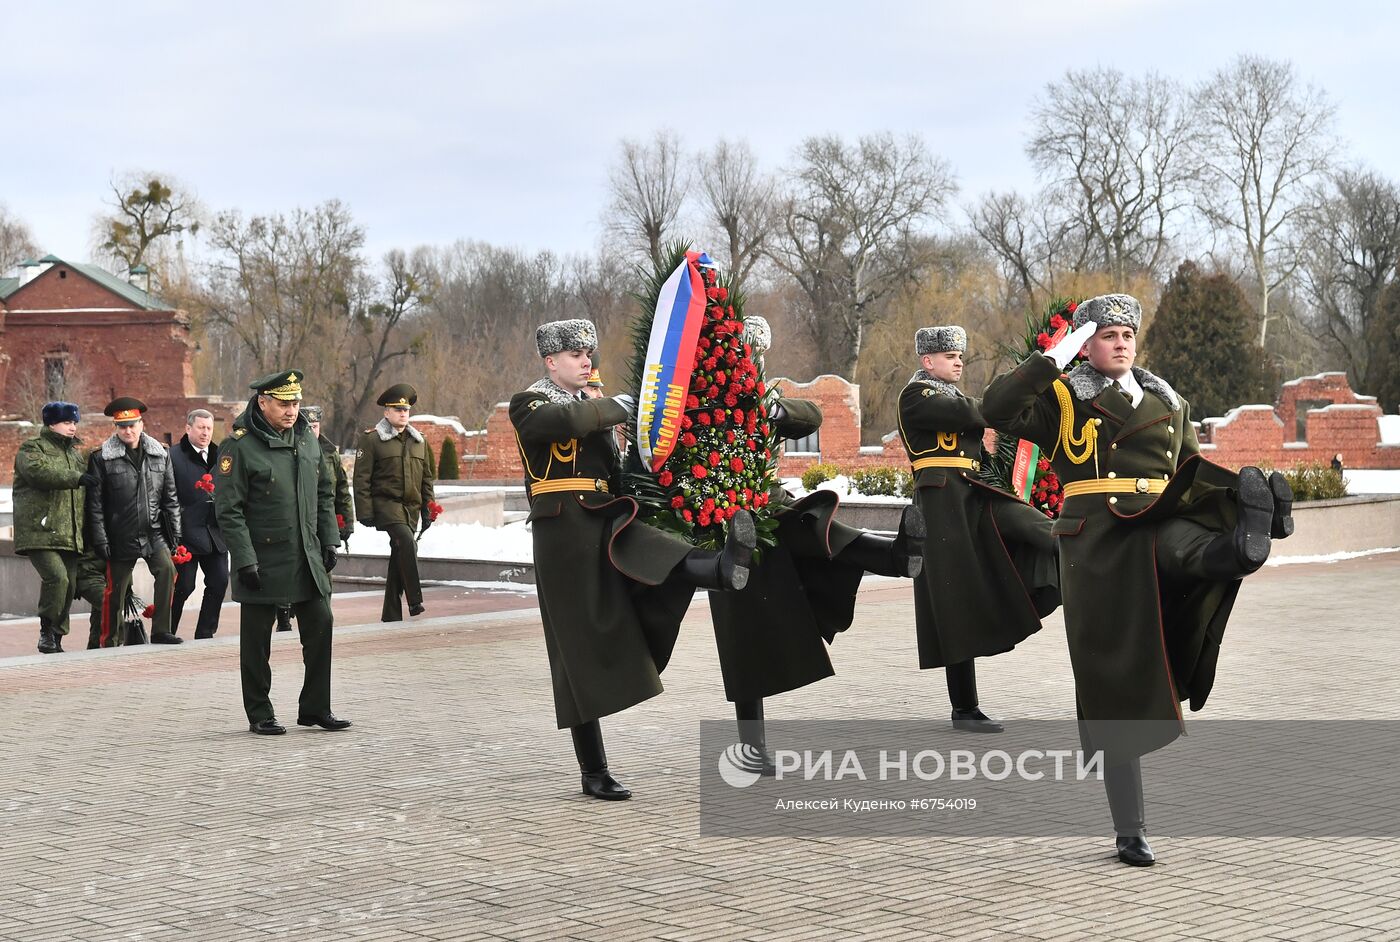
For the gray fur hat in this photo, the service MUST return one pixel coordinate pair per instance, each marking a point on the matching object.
(757, 334)
(940, 340)
(1110, 310)
(558, 336)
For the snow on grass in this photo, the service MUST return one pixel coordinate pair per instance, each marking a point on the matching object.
(510, 543)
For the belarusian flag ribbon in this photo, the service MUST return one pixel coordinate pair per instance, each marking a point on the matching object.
(1023, 471)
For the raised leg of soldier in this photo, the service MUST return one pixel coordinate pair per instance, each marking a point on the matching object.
(900, 555)
(754, 755)
(1187, 548)
(114, 602)
(593, 764)
(1023, 524)
(315, 622)
(723, 569)
(254, 651)
(962, 694)
(163, 571)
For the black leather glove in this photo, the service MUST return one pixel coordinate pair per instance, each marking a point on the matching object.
(101, 551)
(344, 536)
(89, 479)
(248, 575)
(776, 412)
(328, 557)
(426, 523)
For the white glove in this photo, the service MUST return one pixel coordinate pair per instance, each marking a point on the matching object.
(776, 412)
(627, 402)
(1068, 348)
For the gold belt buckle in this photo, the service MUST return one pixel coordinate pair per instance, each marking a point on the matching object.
(976, 465)
(1142, 485)
(598, 485)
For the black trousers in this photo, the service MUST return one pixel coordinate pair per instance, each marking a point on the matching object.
(255, 649)
(402, 579)
(215, 567)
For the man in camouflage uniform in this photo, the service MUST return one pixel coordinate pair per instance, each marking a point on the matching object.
(1153, 540)
(48, 513)
(989, 573)
(394, 473)
(276, 507)
(612, 591)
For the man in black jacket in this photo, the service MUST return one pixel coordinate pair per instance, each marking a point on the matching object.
(133, 513)
(193, 460)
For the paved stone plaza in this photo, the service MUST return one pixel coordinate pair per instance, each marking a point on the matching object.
(137, 806)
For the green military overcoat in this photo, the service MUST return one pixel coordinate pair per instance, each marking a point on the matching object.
(48, 502)
(772, 635)
(1138, 647)
(275, 505)
(989, 571)
(610, 608)
(394, 474)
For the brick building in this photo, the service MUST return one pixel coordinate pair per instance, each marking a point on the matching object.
(75, 331)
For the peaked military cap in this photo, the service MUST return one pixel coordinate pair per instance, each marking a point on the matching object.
(1110, 310)
(757, 334)
(56, 412)
(950, 339)
(558, 336)
(401, 395)
(125, 410)
(312, 413)
(285, 385)
(595, 378)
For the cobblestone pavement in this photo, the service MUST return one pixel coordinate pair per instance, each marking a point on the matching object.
(137, 806)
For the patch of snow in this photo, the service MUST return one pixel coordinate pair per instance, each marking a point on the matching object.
(510, 543)
(451, 421)
(1329, 557)
(1365, 481)
(1390, 429)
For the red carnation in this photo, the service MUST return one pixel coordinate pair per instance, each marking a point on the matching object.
(687, 516)
(731, 400)
(434, 510)
(149, 610)
(736, 465)
(1071, 307)
(698, 471)
(719, 416)
(760, 389)
(692, 402)
(709, 505)
(711, 363)
(713, 392)
(723, 293)
(729, 436)
(703, 418)
(753, 445)
(1056, 322)
(748, 494)
(738, 416)
(714, 459)
(720, 378)
(688, 439)
(665, 478)
(1042, 340)
(712, 293)
(686, 421)
(767, 454)
(678, 502)
(733, 495)
(703, 343)
(340, 521)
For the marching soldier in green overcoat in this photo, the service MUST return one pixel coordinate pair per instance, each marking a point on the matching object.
(989, 574)
(1153, 540)
(48, 502)
(394, 473)
(772, 634)
(275, 505)
(612, 590)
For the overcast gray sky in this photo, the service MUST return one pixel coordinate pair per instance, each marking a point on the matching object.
(497, 121)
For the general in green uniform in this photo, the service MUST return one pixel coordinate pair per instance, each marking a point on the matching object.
(48, 503)
(1153, 540)
(612, 590)
(275, 505)
(772, 635)
(394, 473)
(989, 573)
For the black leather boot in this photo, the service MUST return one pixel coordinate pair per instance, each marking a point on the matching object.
(1256, 518)
(726, 569)
(901, 555)
(755, 757)
(1123, 783)
(48, 640)
(1282, 526)
(962, 693)
(284, 618)
(593, 764)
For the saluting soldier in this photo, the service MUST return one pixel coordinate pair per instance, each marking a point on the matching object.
(275, 504)
(1153, 540)
(989, 573)
(344, 505)
(394, 474)
(772, 634)
(612, 591)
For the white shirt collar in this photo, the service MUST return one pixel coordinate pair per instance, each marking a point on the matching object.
(1132, 387)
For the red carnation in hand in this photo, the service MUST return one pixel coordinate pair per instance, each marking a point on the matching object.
(182, 555)
(434, 510)
(149, 610)
(665, 478)
(698, 471)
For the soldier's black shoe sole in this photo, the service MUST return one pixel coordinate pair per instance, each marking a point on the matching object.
(1282, 526)
(909, 542)
(1256, 510)
(737, 554)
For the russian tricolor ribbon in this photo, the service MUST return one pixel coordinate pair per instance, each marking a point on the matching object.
(675, 327)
